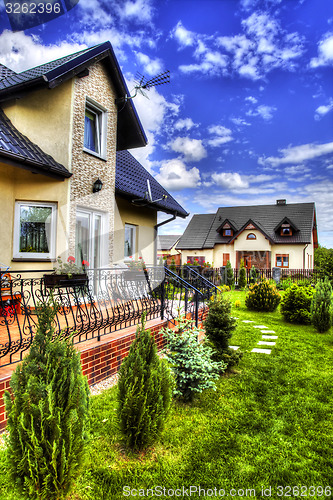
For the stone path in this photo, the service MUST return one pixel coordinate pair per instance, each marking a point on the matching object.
(267, 339)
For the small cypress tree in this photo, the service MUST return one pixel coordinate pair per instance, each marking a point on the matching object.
(242, 276)
(173, 267)
(47, 414)
(253, 275)
(321, 306)
(144, 392)
(230, 275)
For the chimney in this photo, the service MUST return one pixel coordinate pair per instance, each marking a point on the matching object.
(281, 202)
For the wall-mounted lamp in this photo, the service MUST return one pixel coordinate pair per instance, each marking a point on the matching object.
(97, 186)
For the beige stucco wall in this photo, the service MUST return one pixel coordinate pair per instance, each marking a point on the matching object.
(242, 244)
(45, 117)
(17, 184)
(145, 219)
(295, 253)
(207, 253)
(88, 168)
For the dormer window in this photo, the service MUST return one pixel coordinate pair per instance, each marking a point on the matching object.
(227, 232)
(286, 230)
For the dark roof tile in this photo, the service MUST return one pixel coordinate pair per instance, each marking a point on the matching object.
(167, 241)
(131, 181)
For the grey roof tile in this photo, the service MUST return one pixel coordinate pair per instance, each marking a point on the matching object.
(131, 181)
(266, 217)
(17, 148)
(167, 241)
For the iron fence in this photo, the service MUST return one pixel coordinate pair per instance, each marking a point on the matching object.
(109, 300)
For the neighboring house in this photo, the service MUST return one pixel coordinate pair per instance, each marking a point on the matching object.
(166, 248)
(265, 236)
(63, 127)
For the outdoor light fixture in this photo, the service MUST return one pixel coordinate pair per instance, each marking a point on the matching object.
(97, 186)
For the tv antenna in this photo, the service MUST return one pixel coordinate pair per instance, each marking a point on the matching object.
(141, 84)
(148, 199)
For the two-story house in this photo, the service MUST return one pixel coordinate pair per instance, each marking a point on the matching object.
(265, 236)
(68, 184)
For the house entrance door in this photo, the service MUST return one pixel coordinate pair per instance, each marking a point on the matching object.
(247, 260)
(90, 228)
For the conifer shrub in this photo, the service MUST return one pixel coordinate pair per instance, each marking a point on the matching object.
(296, 304)
(242, 276)
(144, 392)
(262, 296)
(321, 306)
(191, 361)
(219, 326)
(253, 275)
(230, 275)
(47, 414)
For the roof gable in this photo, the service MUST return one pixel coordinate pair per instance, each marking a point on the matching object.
(251, 225)
(130, 133)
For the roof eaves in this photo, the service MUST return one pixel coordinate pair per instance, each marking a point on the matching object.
(33, 166)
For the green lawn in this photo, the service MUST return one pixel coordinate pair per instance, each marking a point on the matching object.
(268, 424)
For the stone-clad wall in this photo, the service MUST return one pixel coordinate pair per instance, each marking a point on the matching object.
(85, 167)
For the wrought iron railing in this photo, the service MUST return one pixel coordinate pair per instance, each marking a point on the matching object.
(111, 300)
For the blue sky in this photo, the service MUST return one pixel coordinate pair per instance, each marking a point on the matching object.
(248, 115)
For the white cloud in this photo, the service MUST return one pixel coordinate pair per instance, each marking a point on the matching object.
(323, 110)
(297, 170)
(192, 149)
(138, 10)
(262, 46)
(325, 52)
(182, 35)
(222, 135)
(185, 123)
(230, 180)
(151, 66)
(239, 121)
(175, 176)
(251, 99)
(154, 111)
(19, 51)
(266, 112)
(297, 154)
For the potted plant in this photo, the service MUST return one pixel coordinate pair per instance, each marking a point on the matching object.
(67, 274)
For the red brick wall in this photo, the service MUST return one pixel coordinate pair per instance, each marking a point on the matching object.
(100, 361)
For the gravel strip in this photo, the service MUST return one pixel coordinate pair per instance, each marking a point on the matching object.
(104, 384)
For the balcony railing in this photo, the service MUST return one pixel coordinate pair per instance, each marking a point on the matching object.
(111, 300)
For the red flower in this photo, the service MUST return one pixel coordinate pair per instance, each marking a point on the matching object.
(85, 263)
(71, 259)
(140, 257)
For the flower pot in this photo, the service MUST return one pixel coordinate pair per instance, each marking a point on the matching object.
(63, 280)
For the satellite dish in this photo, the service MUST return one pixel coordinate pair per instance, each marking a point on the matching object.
(148, 199)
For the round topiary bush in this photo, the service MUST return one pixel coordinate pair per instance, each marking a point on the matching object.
(262, 297)
(296, 304)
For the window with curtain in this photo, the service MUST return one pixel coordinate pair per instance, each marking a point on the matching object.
(95, 129)
(34, 230)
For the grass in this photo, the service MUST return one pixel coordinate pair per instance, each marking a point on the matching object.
(267, 425)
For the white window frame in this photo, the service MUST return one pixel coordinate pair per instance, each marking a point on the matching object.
(104, 234)
(132, 226)
(51, 255)
(101, 125)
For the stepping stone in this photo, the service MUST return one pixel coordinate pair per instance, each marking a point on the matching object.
(263, 351)
(247, 321)
(264, 342)
(267, 331)
(269, 336)
(260, 326)
(234, 347)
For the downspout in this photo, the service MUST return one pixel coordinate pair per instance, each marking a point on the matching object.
(306, 246)
(155, 238)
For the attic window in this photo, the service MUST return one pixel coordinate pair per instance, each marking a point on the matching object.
(95, 129)
(251, 236)
(286, 230)
(227, 232)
